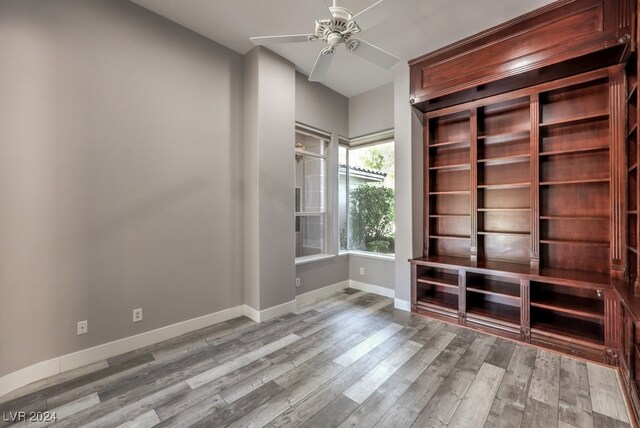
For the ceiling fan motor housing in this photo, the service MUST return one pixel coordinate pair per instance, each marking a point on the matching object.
(339, 29)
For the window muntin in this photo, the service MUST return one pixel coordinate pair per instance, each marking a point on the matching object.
(311, 181)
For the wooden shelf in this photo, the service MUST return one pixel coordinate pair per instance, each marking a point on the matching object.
(571, 305)
(633, 129)
(572, 120)
(573, 151)
(567, 182)
(632, 212)
(439, 278)
(520, 234)
(551, 217)
(566, 326)
(458, 166)
(451, 192)
(449, 215)
(492, 310)
(504, 186)
(496, 288)
(437, 298)
(506, 210)
(505, 135)
(506, 159)
(633, 250)
(583, 243)
(462, 238)
(450, 143)
(582, 279)
(634, 166)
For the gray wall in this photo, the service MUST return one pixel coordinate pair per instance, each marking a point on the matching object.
(408, 157)
(319, 274)
(269, 145)
(371, 111)
(324, 109)
(321, 107)
(120, 175)
(376, 271)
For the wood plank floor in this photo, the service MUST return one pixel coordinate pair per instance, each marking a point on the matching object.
(348, 360)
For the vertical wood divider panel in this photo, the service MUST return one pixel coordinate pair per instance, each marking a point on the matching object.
(414, 280)
(525, 310)
(473, 175)
(462, 297)
(612, 326)
(426, 199)
(535, 181)
(617, 183)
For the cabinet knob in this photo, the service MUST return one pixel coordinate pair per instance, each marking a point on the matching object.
(624, 39)
(599, 292)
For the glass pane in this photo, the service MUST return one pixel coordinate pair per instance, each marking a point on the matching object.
(309, 235)
(371, 199)
(311, 144)
(311, 184)
(342, 198)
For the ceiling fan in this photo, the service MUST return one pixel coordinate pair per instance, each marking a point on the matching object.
(340, 29)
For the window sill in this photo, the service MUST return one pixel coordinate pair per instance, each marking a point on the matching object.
(390, 258)
(315, 258)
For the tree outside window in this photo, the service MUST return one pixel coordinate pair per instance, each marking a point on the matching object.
(369, 172)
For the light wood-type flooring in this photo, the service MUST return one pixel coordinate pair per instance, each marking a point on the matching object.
(348, 360)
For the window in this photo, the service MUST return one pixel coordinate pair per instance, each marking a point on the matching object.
(311, 193)
(366, 193)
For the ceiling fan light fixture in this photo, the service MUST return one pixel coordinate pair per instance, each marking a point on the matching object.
(334, 39)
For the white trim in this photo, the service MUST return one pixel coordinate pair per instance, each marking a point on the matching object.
(64, 363)
(270, 313)
(315, 258)
(370, 288)
(402, 305)
(252, 314)
(305, 298)
(368, 255)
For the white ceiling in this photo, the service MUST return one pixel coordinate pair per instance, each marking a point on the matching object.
(408, 29)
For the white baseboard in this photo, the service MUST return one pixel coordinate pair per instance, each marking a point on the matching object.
(370, 288)
(305, 298)
(270, 313)
(402, 305)
(57, 365)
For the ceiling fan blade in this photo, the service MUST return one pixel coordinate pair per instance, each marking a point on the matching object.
(374, 14)
(321, 68)
(295, 38)
(373, 54)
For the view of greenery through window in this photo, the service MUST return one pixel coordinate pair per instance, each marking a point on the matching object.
(367, 222)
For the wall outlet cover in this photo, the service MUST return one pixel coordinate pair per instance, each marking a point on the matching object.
(361, 271)
(83, 327)
(137, 315)
(297, 282)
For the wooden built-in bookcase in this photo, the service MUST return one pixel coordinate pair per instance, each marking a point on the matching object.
(518, 202)
(531, 219)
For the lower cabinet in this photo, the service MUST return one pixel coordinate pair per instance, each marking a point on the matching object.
(560, 313)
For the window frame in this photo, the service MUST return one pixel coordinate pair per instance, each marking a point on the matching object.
(327, 244)
(369, 140)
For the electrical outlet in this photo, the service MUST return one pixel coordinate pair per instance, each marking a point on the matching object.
(83, 327)
(297, 282)
(137, 315)
(361, 271)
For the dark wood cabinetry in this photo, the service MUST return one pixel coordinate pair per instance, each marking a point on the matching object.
(531, 177)
(561, 39)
